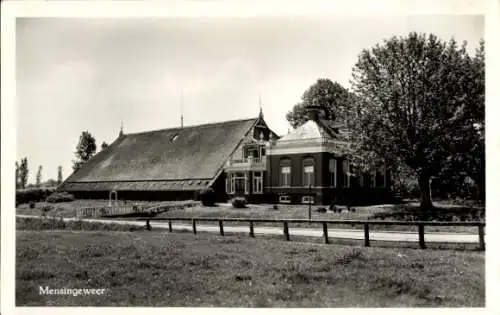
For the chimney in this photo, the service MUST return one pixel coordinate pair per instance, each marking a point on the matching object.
(313, 112)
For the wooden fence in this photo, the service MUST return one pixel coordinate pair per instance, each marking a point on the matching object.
(108, 211)
(324, 224)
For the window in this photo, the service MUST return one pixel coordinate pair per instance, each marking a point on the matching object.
(307, 199)
(229, 184)
(257, 182)
(237, 182)
(308, 174)
(285, 173)
(346, 172)
(174, 138)
(332, 168)
(284, 199)
(262, 151)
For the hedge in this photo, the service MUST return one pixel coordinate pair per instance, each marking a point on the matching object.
(60, 197)
(33, 194)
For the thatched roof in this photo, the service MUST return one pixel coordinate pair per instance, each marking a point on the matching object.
(187, 158)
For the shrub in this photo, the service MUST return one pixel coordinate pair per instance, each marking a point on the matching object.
(32, 194)
(321, 210)
(32, 205)
(60, 197)
(207, 197)
(46, 209)
(239, 202)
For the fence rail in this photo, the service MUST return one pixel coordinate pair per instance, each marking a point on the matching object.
(117, 210)
(324, 223)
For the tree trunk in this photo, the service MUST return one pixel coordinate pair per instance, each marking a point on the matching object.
(425, 192)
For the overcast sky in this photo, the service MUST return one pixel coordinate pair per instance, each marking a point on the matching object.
(89, 74)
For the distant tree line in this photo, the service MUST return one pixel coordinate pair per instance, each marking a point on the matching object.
(22, 172)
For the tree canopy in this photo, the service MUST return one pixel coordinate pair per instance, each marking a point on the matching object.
(330, 96)
(419, 101)
(85, 149)
(23, 173)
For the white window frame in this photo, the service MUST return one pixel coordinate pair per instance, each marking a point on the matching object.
(308, 176)
(233, 178)
(258, 179)
(285, 183)
(307, 199)
(229, 184)
(346, 183)
(332, 168)
(246, 183)
(284, 199)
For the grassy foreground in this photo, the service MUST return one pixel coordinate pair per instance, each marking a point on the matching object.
(162, 269)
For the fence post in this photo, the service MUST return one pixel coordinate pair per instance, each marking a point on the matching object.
(170, 226)
(421, 238)
(325, 232)
(148, 226)
(285, 230)
(482, 245)
(194, 226)
(251, 229)
(367, 235)
(221, 228)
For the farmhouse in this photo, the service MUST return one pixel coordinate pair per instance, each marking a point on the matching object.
(235, 158)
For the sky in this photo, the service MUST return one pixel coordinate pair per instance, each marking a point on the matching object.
(77, 74)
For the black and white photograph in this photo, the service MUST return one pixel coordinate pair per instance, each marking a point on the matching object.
(248, 161)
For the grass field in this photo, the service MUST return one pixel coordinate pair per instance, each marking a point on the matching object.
(161, 269)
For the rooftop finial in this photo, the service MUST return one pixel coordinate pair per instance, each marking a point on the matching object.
(121, 128)
(260, 106)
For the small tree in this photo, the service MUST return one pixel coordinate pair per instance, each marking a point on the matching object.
(104, 145)
(59, 175)
(85, 149)
(23, 173)
(17, 175)
(39, 176)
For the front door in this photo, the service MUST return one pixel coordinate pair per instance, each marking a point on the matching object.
(240, 184)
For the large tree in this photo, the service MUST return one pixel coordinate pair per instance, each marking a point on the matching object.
(419, 102)
(85, 149)
(332, 97)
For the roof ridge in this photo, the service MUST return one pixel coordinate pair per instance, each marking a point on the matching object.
(191, 126)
